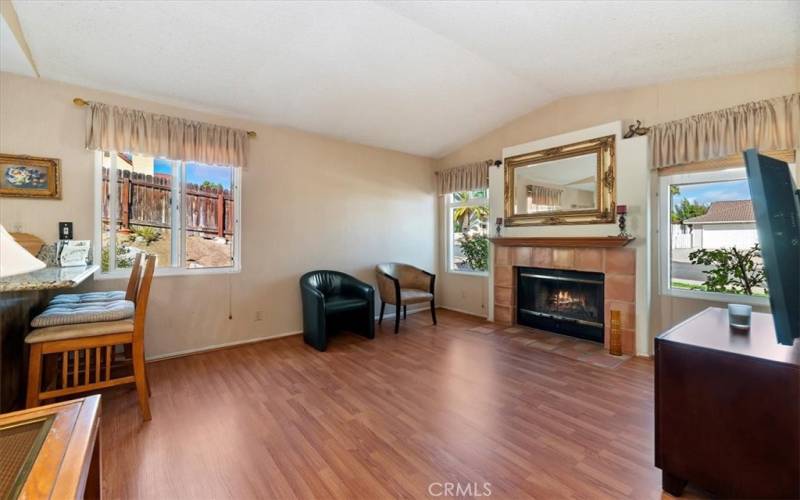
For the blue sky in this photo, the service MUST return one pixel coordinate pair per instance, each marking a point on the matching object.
(714, 191)
(196, 173)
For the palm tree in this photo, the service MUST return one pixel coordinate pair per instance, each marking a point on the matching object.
(465, 218)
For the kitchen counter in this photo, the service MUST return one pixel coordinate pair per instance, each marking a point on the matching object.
(22, 297)
(49, 278)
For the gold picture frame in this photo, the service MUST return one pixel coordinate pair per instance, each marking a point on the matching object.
(24, 176)
(605, 189)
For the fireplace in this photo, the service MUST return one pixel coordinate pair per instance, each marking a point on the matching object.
(561, 301)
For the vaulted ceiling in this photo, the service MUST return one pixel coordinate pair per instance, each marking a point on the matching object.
(418, 77)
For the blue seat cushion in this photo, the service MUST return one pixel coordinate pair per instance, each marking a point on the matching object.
(342, 303)
(83, 298)
(93, 312)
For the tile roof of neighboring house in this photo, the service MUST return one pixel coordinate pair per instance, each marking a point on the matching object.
(725, 212)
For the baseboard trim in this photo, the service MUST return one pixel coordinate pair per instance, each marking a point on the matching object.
(463, 312)
(218, 347)
(226, 345)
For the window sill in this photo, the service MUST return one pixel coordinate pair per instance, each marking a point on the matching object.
(168, 271)
(482, 274)
(726, 298)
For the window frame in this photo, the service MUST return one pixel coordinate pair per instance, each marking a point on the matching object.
(449, 204)
(665, 235)
(178, 267)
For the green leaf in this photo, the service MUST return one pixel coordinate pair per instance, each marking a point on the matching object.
(732, 270)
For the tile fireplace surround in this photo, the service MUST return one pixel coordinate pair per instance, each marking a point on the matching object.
(618, 264)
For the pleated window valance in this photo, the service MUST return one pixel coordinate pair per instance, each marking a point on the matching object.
(543, 195)
(114, 128)
(767, 125)
(470, 177)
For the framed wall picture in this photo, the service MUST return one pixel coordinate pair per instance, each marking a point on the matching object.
(30, 177)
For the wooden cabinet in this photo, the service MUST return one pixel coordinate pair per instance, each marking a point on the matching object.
(728, 408)
(51, 451)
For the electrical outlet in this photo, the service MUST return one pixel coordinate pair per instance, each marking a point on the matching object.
(259, 315)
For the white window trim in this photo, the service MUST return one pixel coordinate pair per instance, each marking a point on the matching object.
(665, 225)
(176, 247)
(482, 274)
(448, 224)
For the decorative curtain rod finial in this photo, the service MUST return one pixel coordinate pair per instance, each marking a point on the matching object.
(634, 130)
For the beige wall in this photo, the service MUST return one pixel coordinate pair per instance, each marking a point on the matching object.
(309, 202)
(363, 206)
(652, 104)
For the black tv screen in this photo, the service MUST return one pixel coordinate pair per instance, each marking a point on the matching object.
(776, 204)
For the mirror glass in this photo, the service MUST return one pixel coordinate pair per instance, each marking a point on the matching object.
(567, 184)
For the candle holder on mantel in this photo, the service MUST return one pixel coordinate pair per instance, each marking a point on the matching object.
(498, 225)
(622, 211)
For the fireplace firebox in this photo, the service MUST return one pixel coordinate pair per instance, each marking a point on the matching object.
(568, 302)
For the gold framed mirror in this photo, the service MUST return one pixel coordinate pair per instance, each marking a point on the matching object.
(571, 184)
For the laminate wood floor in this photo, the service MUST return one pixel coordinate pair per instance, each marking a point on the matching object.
(385, 418)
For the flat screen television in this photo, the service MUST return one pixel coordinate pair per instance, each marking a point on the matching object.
(776, 204)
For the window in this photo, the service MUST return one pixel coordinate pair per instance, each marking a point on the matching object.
(709, 238)
(184, 213)
(467, 214)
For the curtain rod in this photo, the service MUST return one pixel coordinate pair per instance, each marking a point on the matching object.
(83, 102)
(489, 163)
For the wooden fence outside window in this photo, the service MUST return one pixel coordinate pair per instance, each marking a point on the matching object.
(144, 200)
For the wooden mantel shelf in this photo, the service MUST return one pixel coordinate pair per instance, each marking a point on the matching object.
(571, 242)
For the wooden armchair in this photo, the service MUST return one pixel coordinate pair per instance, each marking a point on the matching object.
(403, 284)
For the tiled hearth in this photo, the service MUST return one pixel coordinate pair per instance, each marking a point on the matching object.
(618, 265)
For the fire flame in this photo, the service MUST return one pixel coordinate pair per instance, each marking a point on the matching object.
(563, 297)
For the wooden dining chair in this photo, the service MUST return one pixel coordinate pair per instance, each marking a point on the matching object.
(86, 353)
(92, 297)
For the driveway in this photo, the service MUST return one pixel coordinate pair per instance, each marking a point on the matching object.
(688, 271)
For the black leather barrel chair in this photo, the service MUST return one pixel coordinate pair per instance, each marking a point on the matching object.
(335, 301)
